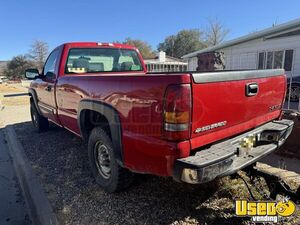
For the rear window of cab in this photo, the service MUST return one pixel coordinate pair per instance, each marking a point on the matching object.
(95, 60)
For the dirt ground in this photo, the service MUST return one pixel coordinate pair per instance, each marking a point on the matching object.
(59, 159)
(12, 88)
(6, 89)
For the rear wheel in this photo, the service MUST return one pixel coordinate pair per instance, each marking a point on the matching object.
(295, 93)
(39, 122)
(107, 172)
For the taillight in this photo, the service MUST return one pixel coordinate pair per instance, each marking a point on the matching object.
(177, 112)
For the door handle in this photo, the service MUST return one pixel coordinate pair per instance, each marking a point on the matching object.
(252, 89)
(48, 88)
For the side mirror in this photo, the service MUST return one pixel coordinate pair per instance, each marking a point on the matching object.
(32, 74)
(50, 75)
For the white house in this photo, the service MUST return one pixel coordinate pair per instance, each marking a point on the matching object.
(165, 63)
(275, 47)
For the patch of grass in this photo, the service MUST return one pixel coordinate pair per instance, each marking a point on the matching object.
(236, 188)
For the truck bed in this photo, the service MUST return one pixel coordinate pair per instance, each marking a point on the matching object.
(221, 107)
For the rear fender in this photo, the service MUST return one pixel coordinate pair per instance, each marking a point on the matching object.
(111, 115)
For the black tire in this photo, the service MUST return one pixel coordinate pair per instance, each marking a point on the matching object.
(295, 92)
(107, 172)
(39, 122)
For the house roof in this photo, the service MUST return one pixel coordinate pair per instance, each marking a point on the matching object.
(289, 26)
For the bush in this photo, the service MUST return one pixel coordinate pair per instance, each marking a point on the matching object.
(15, 68)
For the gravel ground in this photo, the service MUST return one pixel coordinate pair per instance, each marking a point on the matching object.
(59, 159)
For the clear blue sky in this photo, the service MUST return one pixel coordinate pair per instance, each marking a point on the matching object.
(58, 21)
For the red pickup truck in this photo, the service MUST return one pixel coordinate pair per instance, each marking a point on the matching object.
(192, 126)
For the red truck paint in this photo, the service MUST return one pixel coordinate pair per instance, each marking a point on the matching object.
(240, 112)
(131, 95)
(138, 97)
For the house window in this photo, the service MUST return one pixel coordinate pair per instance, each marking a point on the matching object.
(288, 60)
(276, 60)
(261, 60)
(269, 60)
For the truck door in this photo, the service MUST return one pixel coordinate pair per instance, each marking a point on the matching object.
(46, 86)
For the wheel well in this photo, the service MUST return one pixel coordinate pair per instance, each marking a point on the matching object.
(31, 99)
(90, 119)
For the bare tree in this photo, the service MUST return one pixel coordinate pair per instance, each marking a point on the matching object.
(38, 53)
(215, 33)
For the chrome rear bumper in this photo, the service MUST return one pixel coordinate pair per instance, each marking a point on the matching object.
(228, 157)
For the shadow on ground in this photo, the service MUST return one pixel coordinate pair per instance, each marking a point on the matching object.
(60, 161)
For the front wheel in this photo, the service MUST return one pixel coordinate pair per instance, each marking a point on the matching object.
(39, 122)
(107, 172)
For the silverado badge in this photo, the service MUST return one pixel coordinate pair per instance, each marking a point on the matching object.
(211, 126)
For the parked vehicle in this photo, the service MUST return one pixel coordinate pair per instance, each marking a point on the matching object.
(194, 127)
(2, 79)
(294, 88)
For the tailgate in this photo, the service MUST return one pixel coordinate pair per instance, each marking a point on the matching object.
(227, 103)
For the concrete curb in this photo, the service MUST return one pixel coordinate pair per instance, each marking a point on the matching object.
(40, 210)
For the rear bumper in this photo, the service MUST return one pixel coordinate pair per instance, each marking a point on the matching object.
(228, 157)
